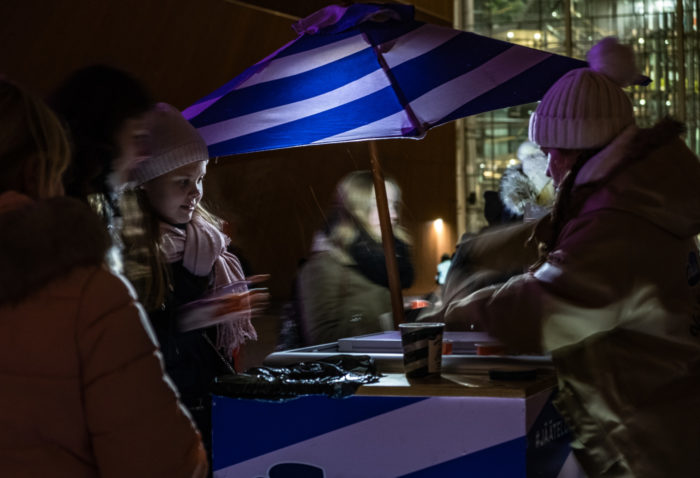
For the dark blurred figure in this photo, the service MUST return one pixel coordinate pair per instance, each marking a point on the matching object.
(503, 249)
(103, 109)
(343, 287)
(495, 213)
(290, 335)
(83, 392)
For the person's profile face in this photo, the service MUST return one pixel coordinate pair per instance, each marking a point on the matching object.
(174, 196)
(133, 142)
(392, 196)
(559, 163)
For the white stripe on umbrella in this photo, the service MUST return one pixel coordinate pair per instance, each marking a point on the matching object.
(416, 43)
(307, 60)
(261, 120)
(383, 128)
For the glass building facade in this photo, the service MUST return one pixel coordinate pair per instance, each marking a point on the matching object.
(663, 34)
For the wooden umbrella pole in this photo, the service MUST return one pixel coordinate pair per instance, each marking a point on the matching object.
(392, 266)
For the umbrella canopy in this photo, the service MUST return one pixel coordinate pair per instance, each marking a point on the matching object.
(368, 72)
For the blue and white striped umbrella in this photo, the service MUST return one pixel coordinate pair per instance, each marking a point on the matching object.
(369, 72)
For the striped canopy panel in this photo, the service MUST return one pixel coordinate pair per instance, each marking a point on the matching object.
(351, 77)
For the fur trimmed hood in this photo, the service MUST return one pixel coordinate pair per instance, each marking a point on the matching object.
(525, 189)
(516, 190)
(41, 241)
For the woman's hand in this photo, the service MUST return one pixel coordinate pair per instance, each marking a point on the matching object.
(226, 306)
(253, 301)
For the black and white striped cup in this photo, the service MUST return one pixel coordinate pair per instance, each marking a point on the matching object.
(422, 348)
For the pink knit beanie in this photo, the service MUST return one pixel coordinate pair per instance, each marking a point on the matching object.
(587, 108)
(174, 143)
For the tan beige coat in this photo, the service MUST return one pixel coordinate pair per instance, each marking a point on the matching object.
(82, 390)
(617, 304)
(337, 301)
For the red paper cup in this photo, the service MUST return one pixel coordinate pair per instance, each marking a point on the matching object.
(419, 304)
(490, 348)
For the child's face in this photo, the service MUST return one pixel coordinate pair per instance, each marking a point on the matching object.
(175, 195)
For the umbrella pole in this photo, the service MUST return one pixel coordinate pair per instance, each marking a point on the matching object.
(392, 267)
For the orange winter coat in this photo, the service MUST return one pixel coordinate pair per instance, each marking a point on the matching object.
(82, 390)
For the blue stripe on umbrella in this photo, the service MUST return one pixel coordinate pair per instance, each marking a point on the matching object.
(381, 33)
(356, 13)
(314, 128)
(290, 89)
(309, 42)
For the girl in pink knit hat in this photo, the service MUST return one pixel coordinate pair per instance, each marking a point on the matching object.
(196, 293)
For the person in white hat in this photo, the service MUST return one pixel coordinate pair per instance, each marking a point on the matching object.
(614, 296)
(196, 293)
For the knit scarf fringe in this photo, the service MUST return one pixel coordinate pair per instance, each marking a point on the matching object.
(202, 247)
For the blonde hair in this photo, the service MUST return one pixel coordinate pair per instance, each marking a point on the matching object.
(29, 131)
(146, 266)
(352, 207)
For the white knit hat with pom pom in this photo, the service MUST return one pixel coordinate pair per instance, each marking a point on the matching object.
(586, 108)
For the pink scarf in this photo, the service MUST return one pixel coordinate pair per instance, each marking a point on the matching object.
(202, 247)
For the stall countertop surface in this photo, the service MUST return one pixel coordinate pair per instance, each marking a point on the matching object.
(476, 384)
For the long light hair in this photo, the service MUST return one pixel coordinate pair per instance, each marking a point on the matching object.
(353, 204)
(142, 249)
(29, 131)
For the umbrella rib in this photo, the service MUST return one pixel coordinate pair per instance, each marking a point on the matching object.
(420, 129)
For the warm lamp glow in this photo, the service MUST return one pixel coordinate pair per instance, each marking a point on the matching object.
(438, 225)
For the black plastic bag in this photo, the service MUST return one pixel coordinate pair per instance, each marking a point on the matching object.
(337, 376)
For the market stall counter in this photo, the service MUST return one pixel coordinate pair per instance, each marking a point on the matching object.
(484, 416)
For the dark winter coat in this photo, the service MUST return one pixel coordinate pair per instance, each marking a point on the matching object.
(191, 359)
